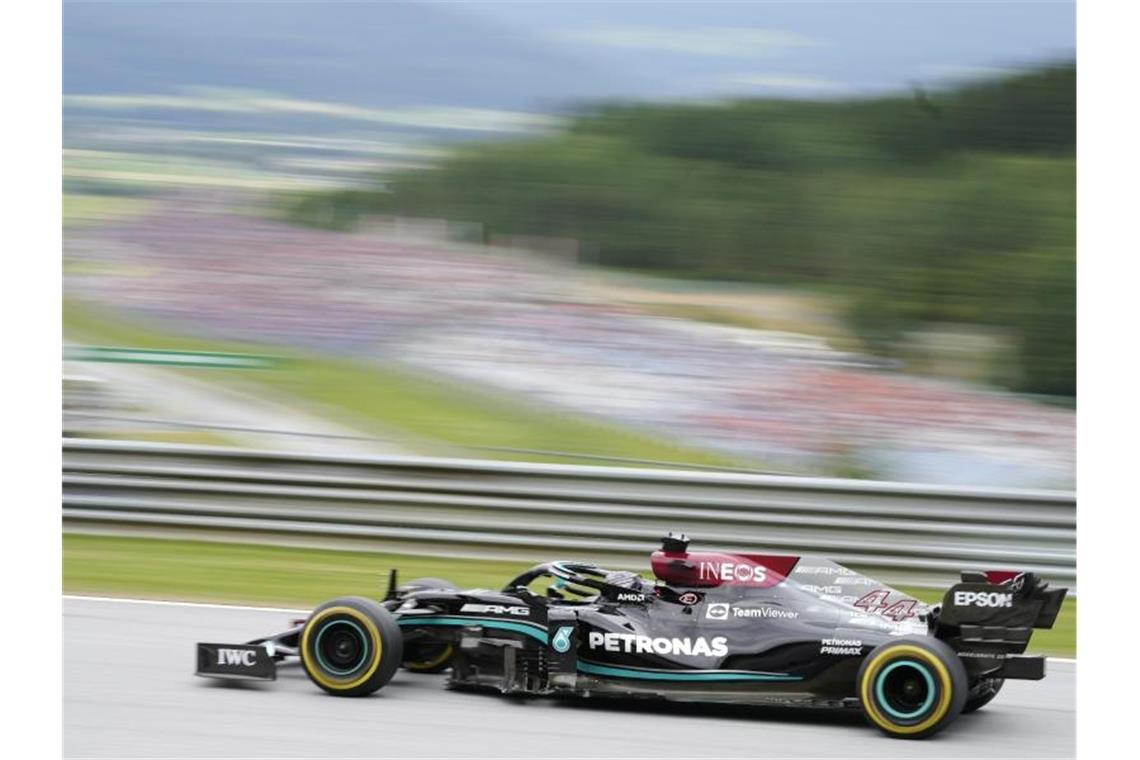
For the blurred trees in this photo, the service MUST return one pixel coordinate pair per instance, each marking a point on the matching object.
(955, 206)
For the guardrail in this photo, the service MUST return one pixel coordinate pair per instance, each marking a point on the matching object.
(903, 532)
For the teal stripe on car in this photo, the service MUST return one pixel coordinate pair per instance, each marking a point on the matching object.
(594, 668)
(534, 630)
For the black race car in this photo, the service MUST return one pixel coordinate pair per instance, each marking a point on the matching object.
(715, 627)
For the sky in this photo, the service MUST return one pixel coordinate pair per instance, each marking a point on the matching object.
(495, 66)
(803, 48)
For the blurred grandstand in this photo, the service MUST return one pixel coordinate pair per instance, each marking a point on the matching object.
(536, 327)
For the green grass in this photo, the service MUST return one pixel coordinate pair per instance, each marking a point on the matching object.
(245, 573)
(249, 573)
(183, 436)
(424, 413)
(146, 171)
(81, 207)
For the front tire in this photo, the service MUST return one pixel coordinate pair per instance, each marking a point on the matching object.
(912, 687)
(351, 646)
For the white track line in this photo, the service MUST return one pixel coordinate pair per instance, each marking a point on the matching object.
(209, 605)
(163, 602)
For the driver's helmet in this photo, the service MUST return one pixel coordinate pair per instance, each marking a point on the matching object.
(629, 579)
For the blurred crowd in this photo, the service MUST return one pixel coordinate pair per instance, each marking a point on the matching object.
(532, 326)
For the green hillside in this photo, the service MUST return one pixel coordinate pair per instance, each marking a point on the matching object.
(953, 207)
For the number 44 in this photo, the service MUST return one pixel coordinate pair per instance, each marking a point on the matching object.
(875, 602)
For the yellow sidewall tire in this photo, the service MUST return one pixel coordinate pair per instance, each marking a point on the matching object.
(434, 664)
(943, 666)
(384, 646)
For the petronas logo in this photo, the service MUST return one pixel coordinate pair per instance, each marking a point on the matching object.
(561, 642)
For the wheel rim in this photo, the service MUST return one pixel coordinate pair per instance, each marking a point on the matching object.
(905, 690)
(341, 647)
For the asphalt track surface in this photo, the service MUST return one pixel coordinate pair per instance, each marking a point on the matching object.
(129, 692)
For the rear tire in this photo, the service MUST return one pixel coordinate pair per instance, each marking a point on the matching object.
(351, 646)
(428, 656)
(983, 694)
(912, 687)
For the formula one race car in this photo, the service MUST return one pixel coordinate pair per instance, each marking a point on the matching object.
(715, 627)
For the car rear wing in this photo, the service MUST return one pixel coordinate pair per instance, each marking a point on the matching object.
(997, 610)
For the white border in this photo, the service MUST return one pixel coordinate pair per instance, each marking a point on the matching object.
(30, 562)
(1108, 273)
